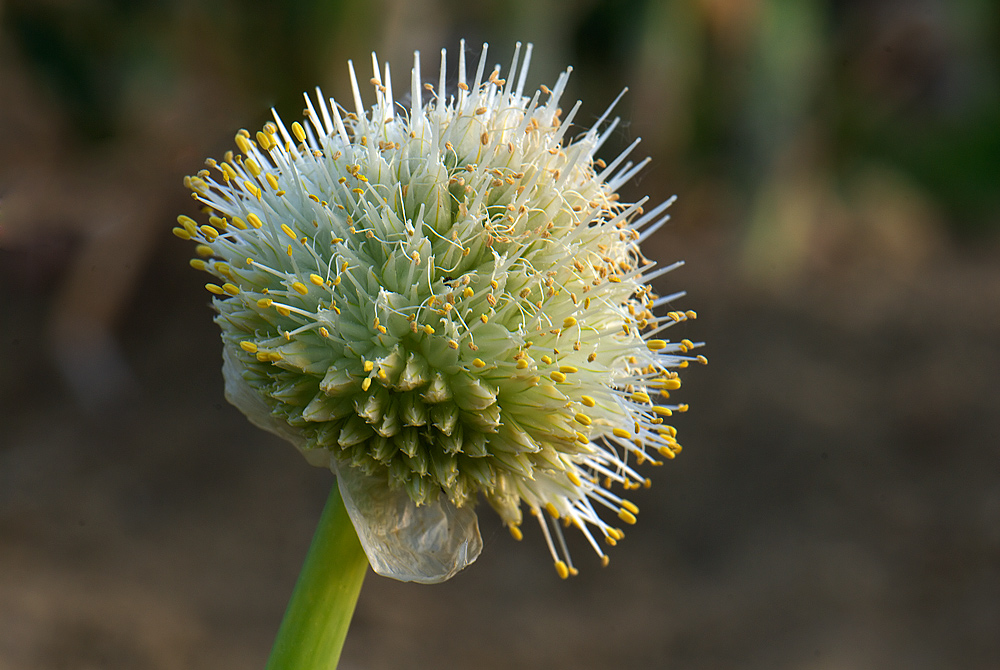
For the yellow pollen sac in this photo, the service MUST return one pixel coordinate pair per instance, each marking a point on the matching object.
(187, 223)
(583, 418)
(663, 411)
(611, 541)
(300, 287)
(568, 369)
(264, 140)
(656, 345)
(630, 506)
(452, 344)
(368, 366)
(626, 516)
(217, 222)
(324, 332)
(288, 231)
(253, 167)
(621, 432)
(557, 376)
(231, 289)
(249, 347)
(561, 567)
(428, 329)
(588, 401)
(254, 220)
(468, 292)
(282, 310)
(198, 264)
(381, 373)
(551, 509)
(569, 322)
(299, 132)
(702, 360)
(640, 397)
(691, 314)
(204, 250)
(581, 438)
(515, 532)
(478, 362)
(666, 452)
(181, 233)
(546, 360)
(605, 561)
(574, 478)
(366, 383)
(670, 384)
(272, 181)
(484, 318)
(522, 364)
(264, 303)
(316, 279)
(243, 144)
(209, 232)
(215, 288)
(688, 343)
(252, 188)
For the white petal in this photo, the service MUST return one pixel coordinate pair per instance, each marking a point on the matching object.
(426, 544)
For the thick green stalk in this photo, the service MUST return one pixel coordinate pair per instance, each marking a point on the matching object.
(312, 633)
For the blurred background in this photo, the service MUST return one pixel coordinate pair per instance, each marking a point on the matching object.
(837, 505)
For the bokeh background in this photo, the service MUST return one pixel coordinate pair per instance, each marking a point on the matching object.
(837, 505)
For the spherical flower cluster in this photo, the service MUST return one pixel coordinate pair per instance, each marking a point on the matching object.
(445, 301)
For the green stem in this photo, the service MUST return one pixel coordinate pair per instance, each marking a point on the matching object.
(312, 633)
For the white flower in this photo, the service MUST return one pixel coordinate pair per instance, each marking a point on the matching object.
(443, 301)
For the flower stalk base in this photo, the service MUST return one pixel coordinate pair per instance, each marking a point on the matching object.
(319, 613)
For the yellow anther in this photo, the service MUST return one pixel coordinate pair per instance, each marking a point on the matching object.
(640, 397)
(452, 344)
(198, 264)
(663, 411)
(366, 383)
(215, 288)
(484, 318)
(253, 167)
(299, 132)
(702, 360)
(181, 233)
(272, 181)
(568, 369)
(574, 478)
(478, 362)
(203, 250)
(249, 347)
(615, 279)
(630, 506)
(569, 322)
(515, 532)
(219, 223)
(522, 364)
(228, 172)
(368, 366)
(557, 376)
(656, 345)
(588, 401)
(231, 289)
(324, 332)
(282, 310)
(288, 231)
(670, 384)
(581, 438)
(428, 329)
(251, 188)
(626, 516)
(243, 144)
(209, 232)
(254, 220)
(316, 279)
(301, 288)
(688, 343)
(691, 314)
(187, 223)
(551, 509)
(605, 561)
(561, 567)
(665, 451)
(583, 418)
(264, 140)
(381, 373)
(264, 303)
(622, 433)
(468, 292)
(546, 360)
(611, 541)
